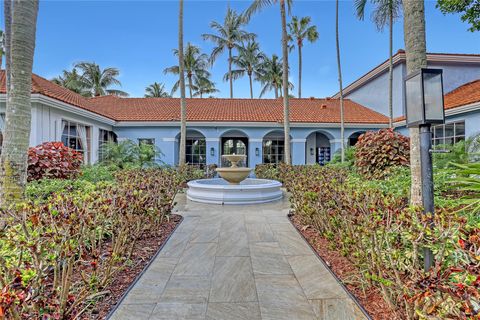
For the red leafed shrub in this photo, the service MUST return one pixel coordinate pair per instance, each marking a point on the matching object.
(376, 152)
(53, 160)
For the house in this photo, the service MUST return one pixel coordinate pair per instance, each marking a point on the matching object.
(461, 85)
(215, 126)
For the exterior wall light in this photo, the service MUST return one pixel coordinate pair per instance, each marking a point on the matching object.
(312, 152)
(257, 152)
(212, 151)
(424, 107)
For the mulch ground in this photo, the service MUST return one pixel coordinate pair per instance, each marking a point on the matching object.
(145, 249)
(369, 298)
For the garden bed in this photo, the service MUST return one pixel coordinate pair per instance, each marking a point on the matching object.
(145, 250)
(370, 298)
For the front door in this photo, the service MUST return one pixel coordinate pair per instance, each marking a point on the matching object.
(235, 146)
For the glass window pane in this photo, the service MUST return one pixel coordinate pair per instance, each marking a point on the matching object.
(433, 96)
(460, 129)
(413, 92)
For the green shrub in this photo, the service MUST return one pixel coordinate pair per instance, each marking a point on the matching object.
(458, 154)
(377, 152)
(127, 154)
(43, 190)
(55, 254)
(349, 157)
(372, 224)
(98, 173)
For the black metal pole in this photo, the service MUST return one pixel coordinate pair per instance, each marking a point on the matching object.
(427, 183)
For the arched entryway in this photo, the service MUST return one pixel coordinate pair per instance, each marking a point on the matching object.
(195, 148)
(234, 142)
(353, 138)
(318, 148)
(273, 147)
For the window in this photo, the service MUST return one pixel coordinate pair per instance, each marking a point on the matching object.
(105, 136)
(449, 133)
(273, 150)
(149, 141)
(196, 151)
(77, 137)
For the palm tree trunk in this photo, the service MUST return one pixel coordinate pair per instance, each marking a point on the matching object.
(276, 92)
(183, 103)
(13, 168)
(190, 84)
(251, 85)
(230, 71)
(7, 40)
(415, 48)
(299, 71)
(390, 69)
(339, 66)
(286, 107)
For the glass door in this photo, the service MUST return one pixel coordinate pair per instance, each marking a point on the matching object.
(234, 146)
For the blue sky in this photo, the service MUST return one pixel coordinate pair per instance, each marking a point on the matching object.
(138, 37)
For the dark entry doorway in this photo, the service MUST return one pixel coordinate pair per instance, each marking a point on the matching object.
(235, 145)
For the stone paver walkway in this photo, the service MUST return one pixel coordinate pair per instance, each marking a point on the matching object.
(236, 262)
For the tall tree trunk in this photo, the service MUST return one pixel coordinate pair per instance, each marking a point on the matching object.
(390, 69)
(276, 92)
(183, 103)
(286, 108)
(230, 71)
(416, 52)
(299, 71)
(190, 84)
(21, 45)
(339, 66)
(251, 85)
(7, 38)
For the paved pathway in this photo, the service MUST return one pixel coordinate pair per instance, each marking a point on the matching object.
(236, 262)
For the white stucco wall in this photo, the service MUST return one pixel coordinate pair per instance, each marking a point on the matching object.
(46, 122)
(374, 93)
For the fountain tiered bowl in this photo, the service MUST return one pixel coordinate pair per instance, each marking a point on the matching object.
(234, 186)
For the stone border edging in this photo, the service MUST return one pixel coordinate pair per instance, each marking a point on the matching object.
(339, 281)
(137, 278)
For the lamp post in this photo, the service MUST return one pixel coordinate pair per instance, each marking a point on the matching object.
(424, 107)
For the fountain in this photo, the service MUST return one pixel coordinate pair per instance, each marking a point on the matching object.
(234, 174)
(234, 187)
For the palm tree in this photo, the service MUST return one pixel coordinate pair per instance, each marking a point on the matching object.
(183, 102)
(98, 81)
(156, 90)
(270, 76)
(256, 6)
(72, 80)
(300, 29)
(204, 86)
(2, 47)
(20, 23)
(248, 61)
(385, 13)
(415, 49)
(339, 66)
(195, 64)
(229, 35)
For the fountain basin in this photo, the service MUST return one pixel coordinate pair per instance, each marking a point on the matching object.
(234, 175)
(219, 191)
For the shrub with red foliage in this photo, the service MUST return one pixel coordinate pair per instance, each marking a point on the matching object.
(376, 152)
(53, 160)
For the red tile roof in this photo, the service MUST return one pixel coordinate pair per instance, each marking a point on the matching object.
(306, 110)
(49, 89)
(465, 94)
(235, 110)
